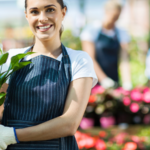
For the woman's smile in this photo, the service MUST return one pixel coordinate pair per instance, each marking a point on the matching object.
(44, 28)
(45, 18)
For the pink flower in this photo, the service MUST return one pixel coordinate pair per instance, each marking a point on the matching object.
(120, 138)
(136, 95)
(116, 93)
(126, 101)
(134, 107)
(135, 139)
(100, 145)
(87, 123)
(146, 89)
(123, 91)
(98, 90)
(130, 146)
(146, 97)
(107, 121)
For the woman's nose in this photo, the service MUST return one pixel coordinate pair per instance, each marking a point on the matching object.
(43, 17)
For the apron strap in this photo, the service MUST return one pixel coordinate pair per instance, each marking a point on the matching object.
(67, 63)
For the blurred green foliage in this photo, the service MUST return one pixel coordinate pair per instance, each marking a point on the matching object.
(71, 41)
(137, 62)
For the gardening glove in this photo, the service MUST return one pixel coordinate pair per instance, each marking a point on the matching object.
(127, 86)
(107, 83)
(7, 136)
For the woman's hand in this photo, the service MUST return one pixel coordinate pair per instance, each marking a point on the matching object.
(7, 137)
(108, 83)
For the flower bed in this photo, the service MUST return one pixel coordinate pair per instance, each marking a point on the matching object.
(116, 106)
(134, 138)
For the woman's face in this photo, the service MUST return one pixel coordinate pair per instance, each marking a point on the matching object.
(45, 18)
(112, 15)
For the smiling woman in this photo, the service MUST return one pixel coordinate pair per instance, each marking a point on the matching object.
(46, 100)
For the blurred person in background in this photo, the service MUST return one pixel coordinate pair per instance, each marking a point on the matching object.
(107, 44)
(147, 70)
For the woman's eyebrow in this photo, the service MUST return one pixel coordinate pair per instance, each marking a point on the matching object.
(44, 7)
(49, 6)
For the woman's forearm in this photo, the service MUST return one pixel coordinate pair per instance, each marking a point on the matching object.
(52, 129)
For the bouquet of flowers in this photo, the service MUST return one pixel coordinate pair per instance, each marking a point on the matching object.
(14, 66)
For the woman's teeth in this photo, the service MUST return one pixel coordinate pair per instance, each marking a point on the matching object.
(45, 27)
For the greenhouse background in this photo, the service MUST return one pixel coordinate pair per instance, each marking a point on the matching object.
(131, 129)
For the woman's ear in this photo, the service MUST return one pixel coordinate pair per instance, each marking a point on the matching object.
(64, 10)
(26, 15)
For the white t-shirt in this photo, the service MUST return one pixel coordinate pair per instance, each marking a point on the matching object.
(91, 33)
(81, 63)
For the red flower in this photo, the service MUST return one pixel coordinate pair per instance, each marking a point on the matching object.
(126, 101)
(90, 142)
(130, 146)
(100, 145)
(85, 140)
(102, 134)
(92, 98)
(78, 135)
(134, 107)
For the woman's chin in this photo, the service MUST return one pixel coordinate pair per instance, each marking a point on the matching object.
(44, 37)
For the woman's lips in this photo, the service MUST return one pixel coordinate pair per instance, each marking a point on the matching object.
(44, 28)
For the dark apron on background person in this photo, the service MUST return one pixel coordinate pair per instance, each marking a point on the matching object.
(107, 54)
(37, 93)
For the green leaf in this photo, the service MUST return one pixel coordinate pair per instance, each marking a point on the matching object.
(3, 58)
(2, 73)
(3, 78)
(2, 98)
(21, 65)
(15, 59)
(1, 51)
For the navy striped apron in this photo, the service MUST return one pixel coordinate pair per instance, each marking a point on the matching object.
(37, 93)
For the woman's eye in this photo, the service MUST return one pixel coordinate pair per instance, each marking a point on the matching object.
(50, 10)
(34, 12)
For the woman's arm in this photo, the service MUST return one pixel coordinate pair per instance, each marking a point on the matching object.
(67, 124)
(89, 47)
(105, 81)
